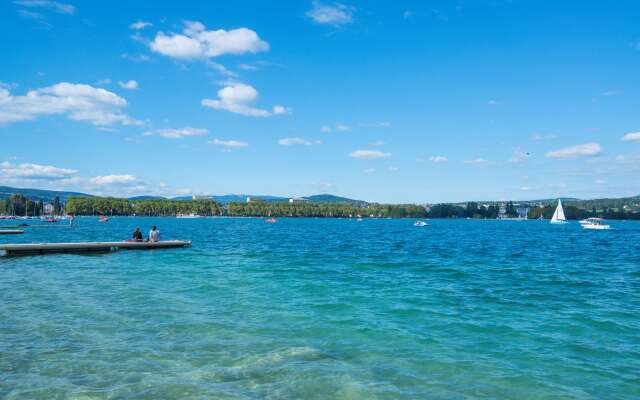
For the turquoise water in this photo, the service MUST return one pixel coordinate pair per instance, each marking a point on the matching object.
(326, 309)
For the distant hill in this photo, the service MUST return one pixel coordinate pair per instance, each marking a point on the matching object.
(149, 198)
(330, 198)
(39, 194)
(241, 198)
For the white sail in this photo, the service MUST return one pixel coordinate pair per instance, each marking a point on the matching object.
(558, 215)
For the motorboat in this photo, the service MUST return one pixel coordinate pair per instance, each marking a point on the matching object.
(187, 216)
(420, 223)
(594, 223)
(103, 219)
(271, 220)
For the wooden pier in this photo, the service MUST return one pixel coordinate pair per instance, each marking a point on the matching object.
(11, 231)
(87, 247)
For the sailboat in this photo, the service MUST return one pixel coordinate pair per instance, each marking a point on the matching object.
(558, 215)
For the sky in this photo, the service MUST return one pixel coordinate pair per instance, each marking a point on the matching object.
(399, 102)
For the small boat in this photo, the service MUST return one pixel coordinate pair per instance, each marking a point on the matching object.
(558, 215)
(594, 223)
(271, 220)
(188, 216)
(103, 219)
(420, 223)
(50, 220)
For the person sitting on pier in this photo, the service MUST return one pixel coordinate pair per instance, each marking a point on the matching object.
(137, 235)
(154, 235)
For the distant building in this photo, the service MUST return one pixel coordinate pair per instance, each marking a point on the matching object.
(298, 200)
(502, 211)
(248, 199)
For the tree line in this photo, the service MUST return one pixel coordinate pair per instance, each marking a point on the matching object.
(336, 210)
(472, 210)
(18, 204)
(207, 207)
(124, 207)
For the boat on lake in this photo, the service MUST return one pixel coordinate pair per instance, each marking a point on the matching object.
(420, 223)
(558, 215)
(594, 223)
(192, 215)
(271, 220)
(103, 219)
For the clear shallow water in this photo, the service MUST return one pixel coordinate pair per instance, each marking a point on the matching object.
(326, 309)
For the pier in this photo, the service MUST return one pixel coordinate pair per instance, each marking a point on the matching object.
(87, 247)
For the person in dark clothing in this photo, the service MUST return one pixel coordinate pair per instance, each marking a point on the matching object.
(137, 235)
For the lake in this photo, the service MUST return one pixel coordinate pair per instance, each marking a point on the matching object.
(325, 309)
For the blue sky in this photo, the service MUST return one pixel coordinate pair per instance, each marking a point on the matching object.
(394, 102)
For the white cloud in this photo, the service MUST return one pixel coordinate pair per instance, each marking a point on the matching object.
(140, 25)
(336, 14)
(369, 171)
(113, 180)
(581, 150)
(235, 144)
(338, 127)
(519, 156)
(55, 6)
(393, 169)
(477, 161)
(131, 84)
(222, 69)
(135, 58)
(237, 98)
(600, 181)
(539, 136)
(177, 133)
(438, 159)
(369, 154)
(525, 188)
(197, 42)
(378, 124)
(33, 15)
(79, 102)
(631, 136)
(494, 102)
(34, 171)
(248, 67)
(105, 81)
(377, 143)
(611, 93)
(297, 141)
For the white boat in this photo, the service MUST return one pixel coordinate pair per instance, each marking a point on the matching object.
(420, 223)
(558, 215)
(187, 216)
(594, 223)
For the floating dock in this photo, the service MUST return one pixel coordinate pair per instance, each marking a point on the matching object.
(11, 231)
(87, 247)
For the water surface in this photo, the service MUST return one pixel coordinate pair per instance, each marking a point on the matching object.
(326, 309)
